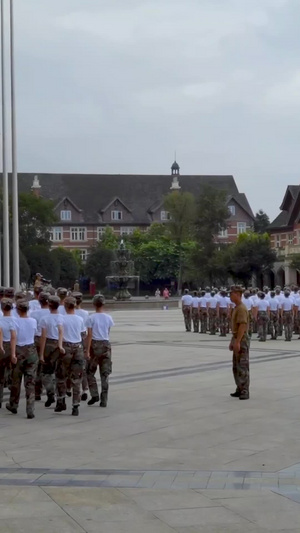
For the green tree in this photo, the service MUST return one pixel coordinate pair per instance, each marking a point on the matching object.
(182, 209)
(98, 264)
(36, 216)
(295, 262)
(68, 267)
(109, 239)
(251, 255)
(24, 269)
(261, 222)
(157, 260)
(211, 217)
(40, 259)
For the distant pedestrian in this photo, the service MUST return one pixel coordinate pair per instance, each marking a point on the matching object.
(166, 294)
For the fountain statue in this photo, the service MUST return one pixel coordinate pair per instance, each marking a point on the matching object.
(122, 272)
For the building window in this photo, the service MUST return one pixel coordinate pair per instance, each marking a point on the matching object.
(231, 208)
(100, 233)
(56, 234)
(291, 238)
(116, 215)
(127, 231)
(78, 234)
(241, 227)
(83, 255)
(165, 215)
(65, 215)
(277, 241)
(223, 233)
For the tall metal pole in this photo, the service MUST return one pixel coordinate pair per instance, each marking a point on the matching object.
(15, 195)
(5, 249)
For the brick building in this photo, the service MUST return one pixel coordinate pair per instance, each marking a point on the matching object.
(87, 204)
(285, 237)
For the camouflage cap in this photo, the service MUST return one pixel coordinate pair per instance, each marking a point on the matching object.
(7, 304)
(61, 291)
(22, 305)
(98, 300)
(78, 296)
(9, 292)
(237, 288)
(20, 295)
(54, 299)
(70, 301)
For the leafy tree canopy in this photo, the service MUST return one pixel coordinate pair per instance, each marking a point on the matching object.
(261, 222)
(36, 216)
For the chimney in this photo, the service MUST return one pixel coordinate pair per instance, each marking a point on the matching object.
(36, 188)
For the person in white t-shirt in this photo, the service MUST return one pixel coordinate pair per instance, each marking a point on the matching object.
(99, 351)
(274, 315)
(186, 303)
(248, 302)
(223, 312)
(279, 297)
(297, 314)
(51, 346)
(85, 316)
(62, 294)
(262, 313)
(71, 360)
(212, 305)
(203, 313)
(25, 361)
(287, 314)
(34, 304)
(195, 311)
(38, 314)
(7, 344)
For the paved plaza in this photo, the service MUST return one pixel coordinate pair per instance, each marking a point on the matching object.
(172, 452)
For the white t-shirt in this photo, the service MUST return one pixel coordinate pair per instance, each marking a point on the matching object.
(297, 302)
(262, 305)
(248, 303)
(224, 302)
(50, 323)
(100, 323)
(7, 324)
(34, 305)
(286, 304)
(203, 302)
(38, 316)
(26, 331)
(84, 315)
(195, 302)
(61, 310)
(213, 302)
(254, 299)
(273, 304)
(186, 299)
(73, 327)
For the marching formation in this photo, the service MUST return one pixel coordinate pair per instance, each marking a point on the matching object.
(56, 346)
(271, 312)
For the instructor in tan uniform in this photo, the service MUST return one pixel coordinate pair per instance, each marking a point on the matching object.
(240, 344)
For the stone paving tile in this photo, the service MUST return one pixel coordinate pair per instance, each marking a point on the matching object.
(52, 524)
(155, 499)
(205, 516)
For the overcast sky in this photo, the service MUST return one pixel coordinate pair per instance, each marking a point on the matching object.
(115, 86)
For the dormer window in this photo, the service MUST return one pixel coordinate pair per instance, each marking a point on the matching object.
(165, 215)
(231, 208)
(65, 214)
(116, 215)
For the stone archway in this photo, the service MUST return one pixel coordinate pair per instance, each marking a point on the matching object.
(280, 277)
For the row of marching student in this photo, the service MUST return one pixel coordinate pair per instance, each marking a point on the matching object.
(56, 346)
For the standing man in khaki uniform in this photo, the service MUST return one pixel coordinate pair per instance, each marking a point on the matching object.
(240, 344)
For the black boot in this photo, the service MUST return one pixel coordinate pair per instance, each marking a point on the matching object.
(50, 400)
(60, 405)
(84, 397)
(13, 410)
(93, 400)
(30, 415)
(75, 410)
(235, 394)
(103, 402)
(38, 398)
(69, 393)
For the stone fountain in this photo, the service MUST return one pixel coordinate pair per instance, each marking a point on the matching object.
(122, 272)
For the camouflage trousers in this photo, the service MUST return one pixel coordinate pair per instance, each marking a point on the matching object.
(38, 379)
(297, 323)
(213, 318)
(254, 326)
(27, 362)
(273, 324)
(203, 320)
(280, 326)
(51, 355)
(288, 325)
(262, 322)
(250, 330)
(223, 322)
(4, 367)
(70, 365)
(187, 316)
(195, 318)
(240, 367)
(100, 356)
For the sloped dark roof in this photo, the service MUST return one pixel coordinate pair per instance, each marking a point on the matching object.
(92, 193)
(241, 199)
(280, 222)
